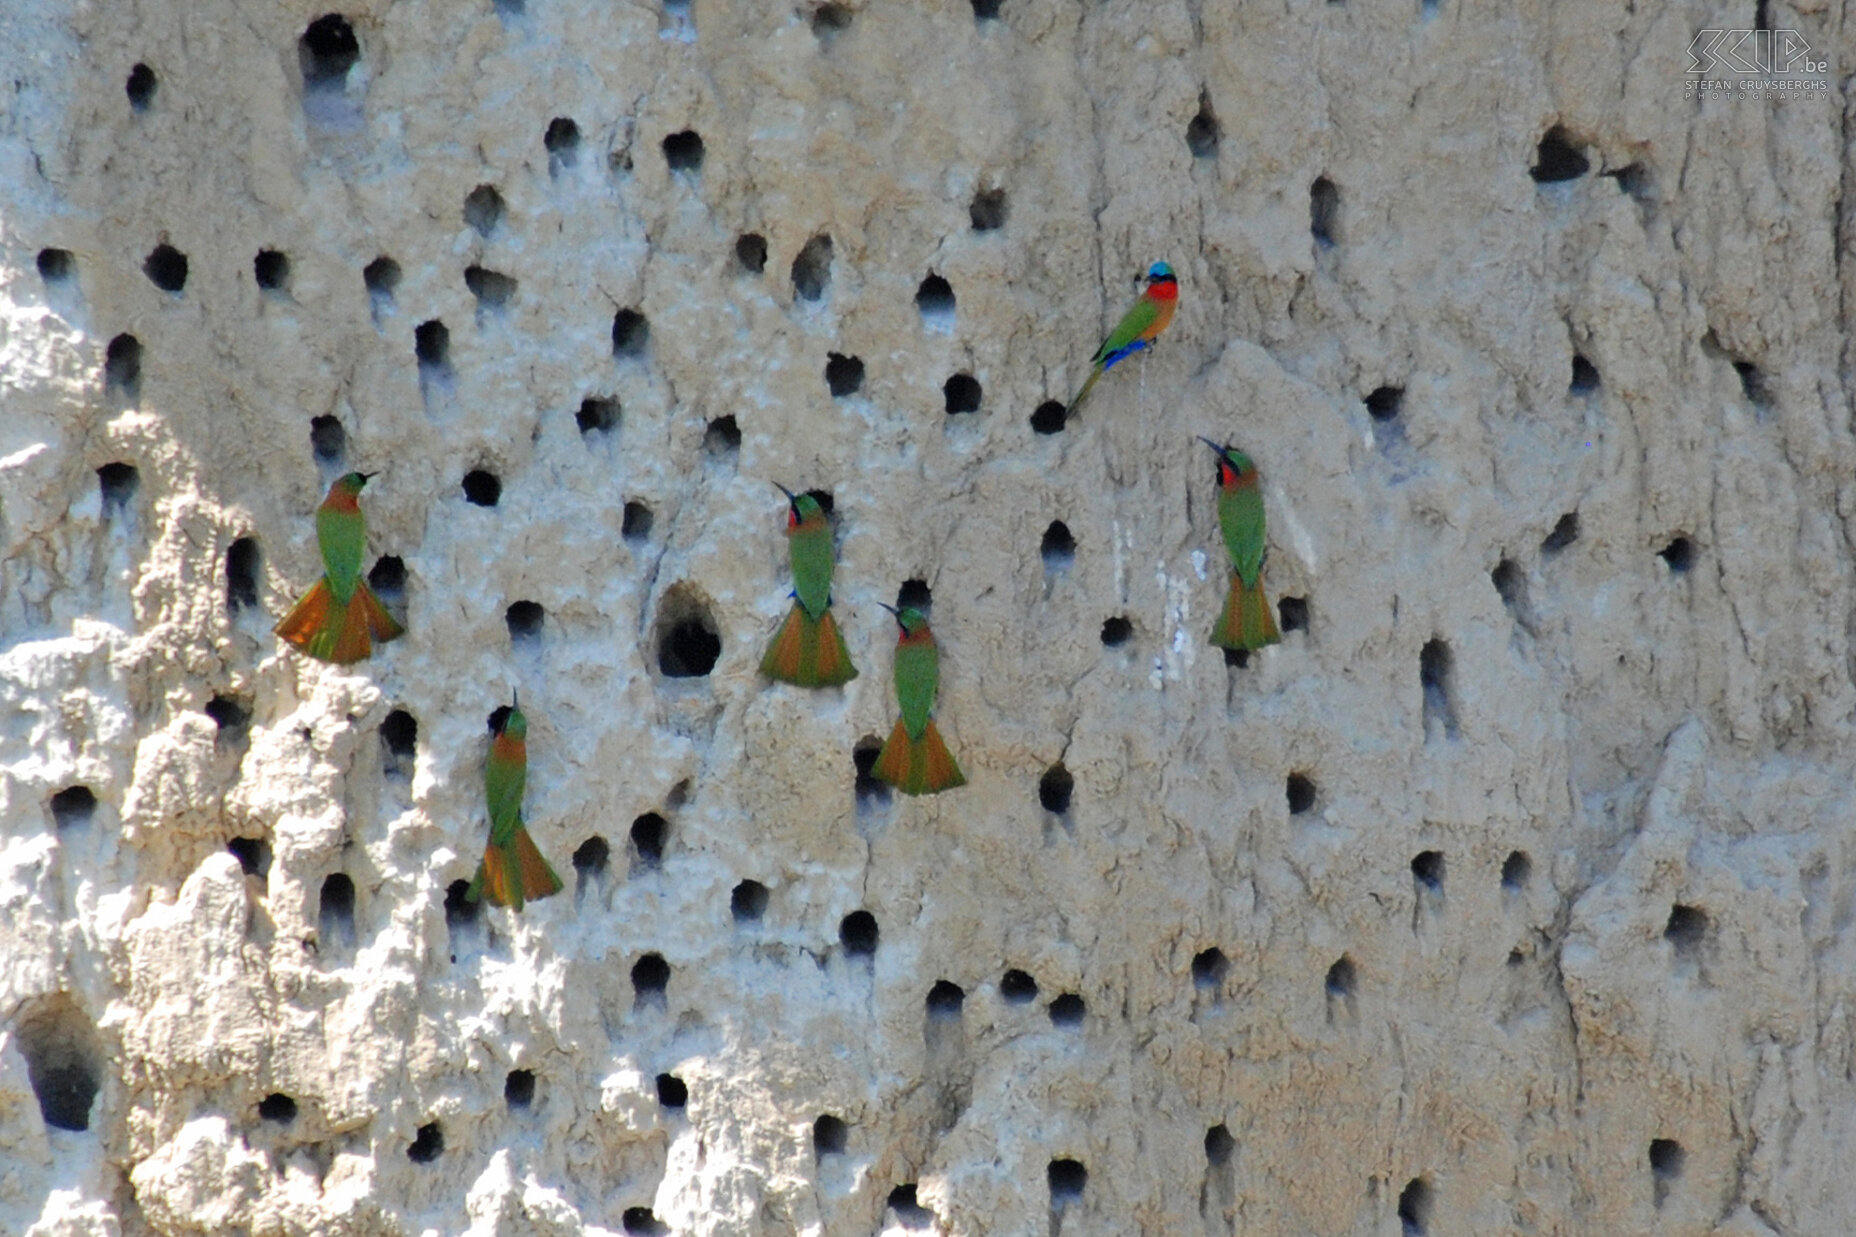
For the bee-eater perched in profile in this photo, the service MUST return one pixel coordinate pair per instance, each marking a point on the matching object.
(915, 760)
(1246, 622)
(1138, 328)
(512, 871)
(339, 619)
(809, 649)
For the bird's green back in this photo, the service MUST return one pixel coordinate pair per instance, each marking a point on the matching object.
(918, 676)
(505, 777)
(1138, 318)
(1240, 516)
(341, 534)
(809, 545)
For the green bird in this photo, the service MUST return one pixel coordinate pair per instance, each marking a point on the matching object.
(1138, 328)
(809, 649)
(916, 760)
(339, 619)
(1247, 622)
(512, 871)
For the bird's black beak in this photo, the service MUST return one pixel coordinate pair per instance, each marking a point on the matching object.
(1214, 446)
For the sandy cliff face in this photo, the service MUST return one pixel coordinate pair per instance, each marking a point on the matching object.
(1512, 892)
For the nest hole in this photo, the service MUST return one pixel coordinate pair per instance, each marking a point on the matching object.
(1049, 418)
(648, 834)
(73, 807)
(945, 1000)
(1679, 554)
(721, 438)
(483, 210)
(591, 857)
(427, 1145)
(1018, 988)
(141, 87)
(388, 578)
(481, 488)
(1427, 871)
(1585, 378)
(399, 738)
(1385, 403)
(519, 1088)
(651, 979)
(63, 1061)
(961, 393)
(935, 299)
(672, 1092)
(1067, 1011)
(1687, 929)
(271, 269)
(1342, 978)
(253, 855)
(643, 1222)
(242, 563)
(844, 375)
(599, 414)
(687, 639)
(915, 595)
(1058, 548)
(830, 1136)
(635, 523)
(988, 211)
(1565, 532)
(326, 51)
(431, 344)
(630, 333)
(1301, 793)
(562, 141)
(231, 715)
(751, 253)
(1437, 678)
(1116, 631)
(328, 441)
(1516, 869)
(1414, 1207)
(1209, 968)
(382, 277)
(493, 289)
(1055, 789)
(335, 910)
(1202, 132)
(57, 266)
(1066, 1179)
(748, 902)
(857, 932)
(1219, 1145)
(524, 620)
(1324, 212)
(277, 1108)
(1558, 159)
(812, 269)
(909, 1212)
(166, 268)
(683, 151)
(122, 367)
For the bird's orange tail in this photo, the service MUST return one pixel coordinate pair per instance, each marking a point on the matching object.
(808, 652)
(921, 766)
(538, 879)
(514, 874)
(327, 630)
(1247, 622)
